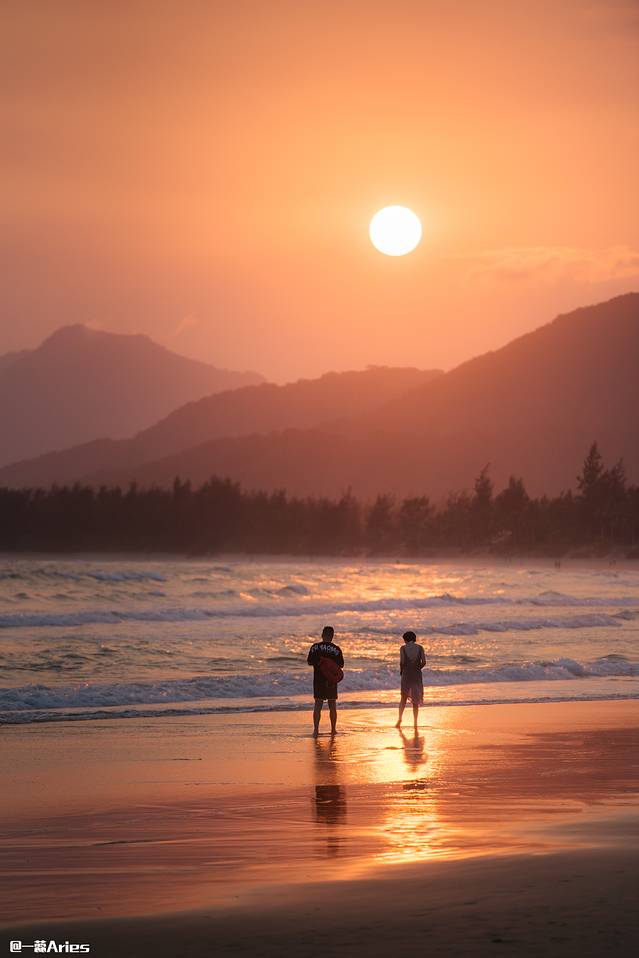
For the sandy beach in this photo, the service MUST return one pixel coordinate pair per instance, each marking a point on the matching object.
(511, 826)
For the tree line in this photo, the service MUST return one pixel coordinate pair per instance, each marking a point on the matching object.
(602, 513)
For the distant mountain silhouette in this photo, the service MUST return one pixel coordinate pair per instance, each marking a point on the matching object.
(531, 408)
(308, 403)
(81, 383)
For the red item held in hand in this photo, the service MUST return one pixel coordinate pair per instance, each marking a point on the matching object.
(330, 670)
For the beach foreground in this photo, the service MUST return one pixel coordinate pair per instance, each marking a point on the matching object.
(579, 903)
(494, 828)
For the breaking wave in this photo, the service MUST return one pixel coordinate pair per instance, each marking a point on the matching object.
(291, 683)
(38, 717)
(584, 620)
(96, 575)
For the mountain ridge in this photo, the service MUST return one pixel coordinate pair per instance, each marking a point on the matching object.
(80, 383)
(254, 409)
(531, 407)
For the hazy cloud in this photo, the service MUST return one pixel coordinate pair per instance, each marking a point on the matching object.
(551, 264)
(186, 323)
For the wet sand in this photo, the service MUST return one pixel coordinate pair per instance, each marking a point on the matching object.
(579, 903)
(494, 828)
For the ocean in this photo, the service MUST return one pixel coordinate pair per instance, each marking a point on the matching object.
(113, 637)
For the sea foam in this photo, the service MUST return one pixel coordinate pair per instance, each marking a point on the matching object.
(290, 682)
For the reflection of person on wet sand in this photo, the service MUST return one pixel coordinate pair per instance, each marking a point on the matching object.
(412, 660)
(413, 750)
(330, 796)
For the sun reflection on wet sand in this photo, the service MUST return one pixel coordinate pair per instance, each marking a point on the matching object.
(410, 815)
(452, 790)
(410, 827)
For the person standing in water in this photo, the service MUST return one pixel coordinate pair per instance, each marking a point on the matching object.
(412, 660)
(327, 661)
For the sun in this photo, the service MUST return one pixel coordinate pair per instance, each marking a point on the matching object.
(395, 230)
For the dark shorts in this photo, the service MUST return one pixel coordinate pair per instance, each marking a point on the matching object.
(324, 690)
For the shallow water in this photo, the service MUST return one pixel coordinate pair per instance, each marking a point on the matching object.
(82, 638)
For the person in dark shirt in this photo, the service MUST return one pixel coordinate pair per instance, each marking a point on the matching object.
(323, 688)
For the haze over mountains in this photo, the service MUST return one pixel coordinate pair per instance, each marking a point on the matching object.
(81, 383)
(531, 408)
(325, 402)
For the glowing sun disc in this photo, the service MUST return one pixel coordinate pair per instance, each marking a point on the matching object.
(395, 230)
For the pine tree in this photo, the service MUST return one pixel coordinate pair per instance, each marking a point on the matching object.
(593, 469)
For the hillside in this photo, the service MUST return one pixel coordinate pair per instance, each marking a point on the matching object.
(262, 409)
(8, 359)
(531, 408)
(82, 383)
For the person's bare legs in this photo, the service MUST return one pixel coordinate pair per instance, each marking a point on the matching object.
(402, 706)
(415, 714)
(317, 714)
(332, 711)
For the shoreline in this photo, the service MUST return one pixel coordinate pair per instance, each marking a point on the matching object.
(225, 707)
(614, 557)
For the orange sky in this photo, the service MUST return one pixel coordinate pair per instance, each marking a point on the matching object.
(204, 171)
